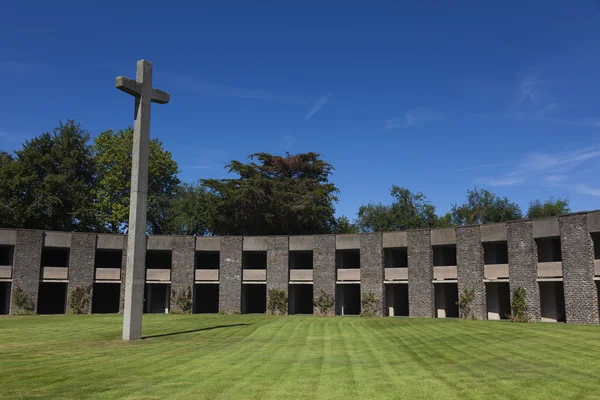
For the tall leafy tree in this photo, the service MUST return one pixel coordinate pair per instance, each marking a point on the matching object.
(483, 207)
(549, 208)
(112, 151)
(288, 194)
(343, 225)
(8, 195)
(191, 211)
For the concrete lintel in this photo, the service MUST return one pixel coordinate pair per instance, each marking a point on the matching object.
(445, 281)
(395, 239)
(594, 221)
(443, 236)
(347, 242)
(299, 243)
(208, 243)
(8, 237)
(546, 227)
(112, 242)
(493, 233)
(159, 242)
(254, 243)
(57, 239)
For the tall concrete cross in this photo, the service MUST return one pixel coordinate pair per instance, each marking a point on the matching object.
(135, 279)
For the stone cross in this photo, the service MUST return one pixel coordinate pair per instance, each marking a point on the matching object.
(141, 88)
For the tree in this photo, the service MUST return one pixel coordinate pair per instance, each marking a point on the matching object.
(343, 225)
(483, 207)
(277, 195)
(49, 182)
(549, 208)
(190, 211)
(112, 152)
(408, 211)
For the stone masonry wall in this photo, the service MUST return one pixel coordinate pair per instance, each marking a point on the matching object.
(27, 262)
(522, 264)
(183, 253)
(81, 264)
(420, 274)
(324, 273)
(469, 260)
(371, 267)
(581, 295)
(277, 264)
(230, 275)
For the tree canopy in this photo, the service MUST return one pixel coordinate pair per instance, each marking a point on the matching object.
(549, 208)
(483, 207)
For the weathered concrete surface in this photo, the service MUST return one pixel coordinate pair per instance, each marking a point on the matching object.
(57, 239)
(8, 237)
(230, 288)
(160, 242)
(545, 227)
(522, 257)
(469, 260)
(493, 233)
(443, 236)
(114, 242)
(347, 242)
(299, 243)
(81, 264)
(420, 274)
(581, 295)
(208, 243)
(594, 221)
(255, 243)
(26, 265)
(395, 239)
(324, 267)
(182, 267)
(371, 267)
(277, 264)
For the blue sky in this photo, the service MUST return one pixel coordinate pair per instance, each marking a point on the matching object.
(435, 96)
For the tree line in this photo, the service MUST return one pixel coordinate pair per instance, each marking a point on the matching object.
(62, 180)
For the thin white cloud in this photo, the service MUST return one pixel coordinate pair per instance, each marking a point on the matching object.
(287, 141)
(320, 102)
(502, 181)
(555, 178)
(585, 189)
(563, 160)
(414, 118)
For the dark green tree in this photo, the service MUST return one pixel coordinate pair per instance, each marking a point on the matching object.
(483, 207)
(343, 225)
(8, 195)
(549, 208)
(191, 211)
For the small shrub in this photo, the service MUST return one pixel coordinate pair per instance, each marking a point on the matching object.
(183, 301)
(464, 304)
(369, 305)
(324, 303)
(519, 306)
(23, 302)
(79, 299)
(277, 304)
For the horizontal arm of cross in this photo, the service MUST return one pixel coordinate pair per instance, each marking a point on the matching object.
(160, 97)
(129, 86)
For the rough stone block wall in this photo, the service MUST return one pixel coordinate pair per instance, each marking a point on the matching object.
(183, 256)
(230, 275)
(81, 264)
(371, 267)
(420, 274)
(469, 267)
(27, 262)
(581, 295)
(324, 273)
(522, 264)
(277, 264)
(123, 274)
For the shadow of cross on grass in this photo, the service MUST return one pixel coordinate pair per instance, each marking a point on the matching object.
(193, 331)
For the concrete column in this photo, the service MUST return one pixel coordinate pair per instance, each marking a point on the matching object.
(81, 264)
(469, 268)
(230, 275)
(522, 264)
(371, 267)
(183, 255)
(277, 264)
(420, 274)
(123, 274)
(577, 246)
(324, 273)
(27, 262)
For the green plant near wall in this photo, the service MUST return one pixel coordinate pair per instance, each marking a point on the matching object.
(79, 299)
(465, 311)
(23, 302)
(183, 300)
(277, 304)
(369, 305)
(323, 303)
(519, 306)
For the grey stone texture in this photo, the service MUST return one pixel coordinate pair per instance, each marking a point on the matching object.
(372, 267)
(469, 267)
(81, 264)
(123, 274)
(522, 264)
(324, 273)
(27, 264)
(420, 274)
(277, 264)
(230, 275)
(581, 294)
(182, 265)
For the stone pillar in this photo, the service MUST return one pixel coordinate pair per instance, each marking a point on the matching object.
(230, 275)
(81, 265)
(581, 296)
(420, 274)
(277, 264)
(324, 273)
(27, 262)
(469, 268)
(371, 267)
(183, 253)
(123, 274)
(522, 264)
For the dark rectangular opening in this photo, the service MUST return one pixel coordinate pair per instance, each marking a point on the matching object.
(300, 300)
(6, 255)
(207, 260)
(52, 298)
(254, 299)
(254, 260)
(396, 300)
(548, 249)
(108, 258)
(156, 298)
(596, 240)
(55, 257)
(106, 298)
(444, 255)
(300, 260)
(158, 259)
(495, 253)
(347, 299)
(552, 302)
(206, 298)
(4, 297)
(396, 257)
(347, 258)
(498, 300)
(446, 297)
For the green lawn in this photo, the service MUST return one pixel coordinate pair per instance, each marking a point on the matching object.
(262, 357)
